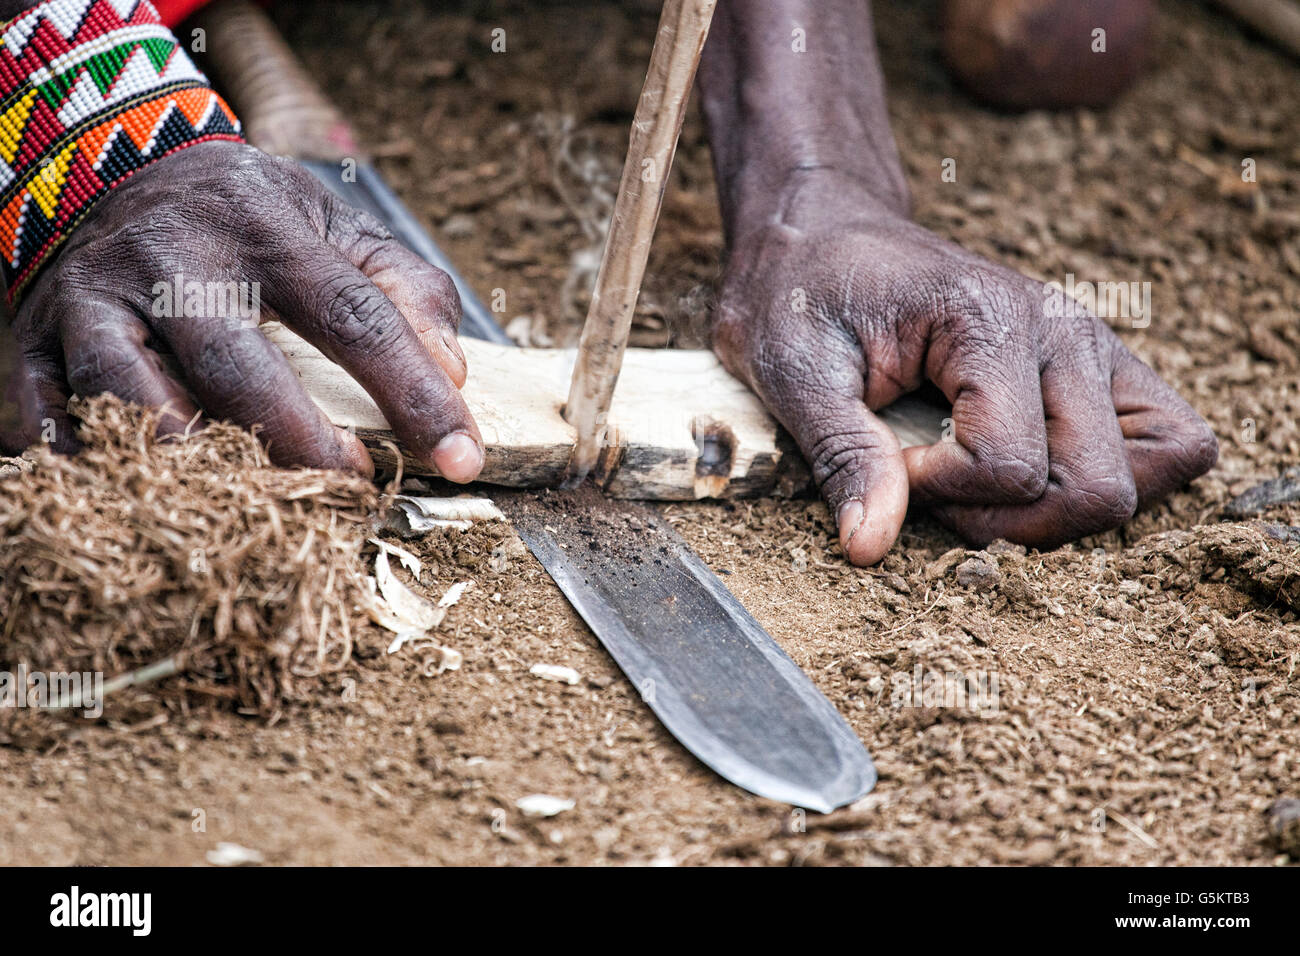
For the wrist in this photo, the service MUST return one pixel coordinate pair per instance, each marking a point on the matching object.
(811, 195)
(793, 94)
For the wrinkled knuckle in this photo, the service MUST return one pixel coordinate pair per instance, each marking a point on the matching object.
(356, 315)
(1018, 475)
(280, 171)
(832, 458)
(442, 288)
(225, 361)
(980, 312)
(277, 184)
(951, 295)
(367, 227)
(1104, 503)
(358, 234)
(1198, 449)
(786, 371)
(69, 278)
(89, 371)
(76, 275)
(965, 292)
(141, 238)
(835, 456)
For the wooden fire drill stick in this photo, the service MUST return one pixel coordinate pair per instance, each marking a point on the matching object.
(683, 28)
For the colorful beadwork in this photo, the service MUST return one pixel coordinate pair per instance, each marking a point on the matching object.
(91, 92)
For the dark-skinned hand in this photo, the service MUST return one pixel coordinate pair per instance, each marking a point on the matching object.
(1059, 431)
(222, 212)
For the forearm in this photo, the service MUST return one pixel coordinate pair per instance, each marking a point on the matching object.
(777, 116)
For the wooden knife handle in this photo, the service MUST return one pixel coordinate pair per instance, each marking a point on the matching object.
(283, 110)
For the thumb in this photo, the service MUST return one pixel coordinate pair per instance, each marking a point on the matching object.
(855, 460)
(864, 480)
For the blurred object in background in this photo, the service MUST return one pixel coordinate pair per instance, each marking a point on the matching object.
(1277, 21)
(1047, 54)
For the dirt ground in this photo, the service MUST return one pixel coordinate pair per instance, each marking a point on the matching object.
(1147, 709)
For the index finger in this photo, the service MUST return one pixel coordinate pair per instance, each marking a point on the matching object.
(1090, 485)
(337, 308)
(422, 292)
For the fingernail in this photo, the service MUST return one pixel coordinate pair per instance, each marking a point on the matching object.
(453, 346)
(354, 450)
(458, 457)
(849, 518)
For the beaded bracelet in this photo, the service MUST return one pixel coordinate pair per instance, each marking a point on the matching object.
(91, 92)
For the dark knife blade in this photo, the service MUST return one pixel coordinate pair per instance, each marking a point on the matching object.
(700, 661)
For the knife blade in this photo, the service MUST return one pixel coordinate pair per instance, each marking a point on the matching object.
(706, 668)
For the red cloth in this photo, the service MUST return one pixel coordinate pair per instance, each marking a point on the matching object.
(174, 11)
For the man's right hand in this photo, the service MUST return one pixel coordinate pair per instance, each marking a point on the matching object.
(1059, 431)
(221, 213)
(834, 304)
